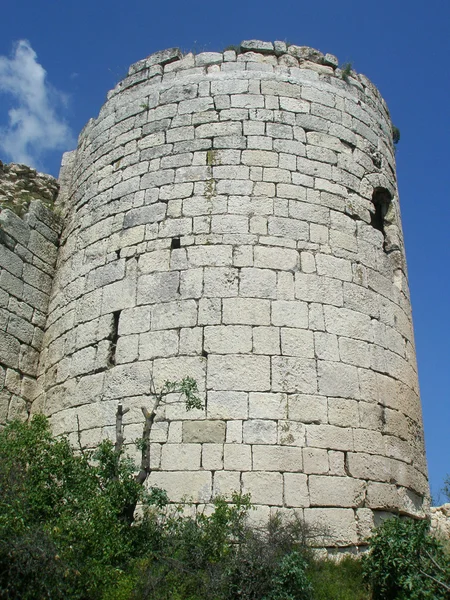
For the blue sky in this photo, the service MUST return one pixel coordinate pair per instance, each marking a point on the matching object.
(76, 51)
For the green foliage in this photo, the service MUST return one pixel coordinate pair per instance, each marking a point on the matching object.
(341, 580)
(188, 388)
(62, 530)
(220, 557)
(395, 134)
(406, 563)
(346, 71)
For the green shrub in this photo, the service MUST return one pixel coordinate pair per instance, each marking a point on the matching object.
(62, 524)
(406, 563)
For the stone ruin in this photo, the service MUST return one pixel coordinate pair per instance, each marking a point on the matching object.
(231, 216)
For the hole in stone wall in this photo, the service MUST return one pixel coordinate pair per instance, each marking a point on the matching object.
(204, 353)
(114, 336)
(381, 199)
(176, 243)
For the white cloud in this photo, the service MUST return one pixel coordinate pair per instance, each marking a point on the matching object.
(35, 125)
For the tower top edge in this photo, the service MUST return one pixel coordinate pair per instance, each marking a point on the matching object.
(277, 53)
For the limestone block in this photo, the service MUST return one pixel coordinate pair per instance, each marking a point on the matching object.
(286, 313)
(277, 458)
(228, 339)
(315, 460)
(297, 342)
(284, 259)
(227, 405)
(20, 328)
(314, 288)
(11, 285)
(293, 374)
(257, 46)
(119, 295)
(123, 381)
(209, 256)
(326, 346)
(337, 379)
(257, 431)
(246, 311)
(156, 344)
(212, 456)
(191, 339)
(182, 485)
(226, 482)
(234, 432)
(263, 487)
(181, 313)
(220, 282)
(180, 456)
(343, 412)
(267, 406)
(369, 441)
(211, 432)
(330, 437)
(10, 261)
(382, 496)
(336, 491)
(337, 463)
(331, 266)
(209, 311)
(257, 283)
(237, 457)
(296, 492)
(307, 408)
(127, 349)
(291, 433)
(266, 340)
(260, 158)
(369, 466)
(239, 372)
(158, 287)
(355, 352)
(134, 320)
(331, 526)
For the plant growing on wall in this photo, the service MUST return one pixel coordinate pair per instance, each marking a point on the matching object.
(172, 392)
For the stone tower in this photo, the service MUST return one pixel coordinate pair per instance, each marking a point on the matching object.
(234, 217)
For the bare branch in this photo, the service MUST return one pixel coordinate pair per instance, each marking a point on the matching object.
(145, 455)
(441, 583)
(119, 428)
(436, 564)
(82, 448)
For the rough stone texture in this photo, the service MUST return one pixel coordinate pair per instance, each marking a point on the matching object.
(440, 521)
(221, 222)
(29, 233)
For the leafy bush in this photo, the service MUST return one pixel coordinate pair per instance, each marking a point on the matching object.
(62, 516)
(220, 557)
(406, 563)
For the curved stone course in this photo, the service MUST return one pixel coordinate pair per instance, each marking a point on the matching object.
(234, 217)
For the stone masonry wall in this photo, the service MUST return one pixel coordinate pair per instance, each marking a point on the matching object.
(234, 217)
(28, 248)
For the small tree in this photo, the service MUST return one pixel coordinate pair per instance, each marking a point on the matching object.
(65, 517)
(186, 389)
(406, 562)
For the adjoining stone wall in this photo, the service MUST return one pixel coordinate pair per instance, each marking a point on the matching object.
(28, 249)
(440, 522)
(235, 218)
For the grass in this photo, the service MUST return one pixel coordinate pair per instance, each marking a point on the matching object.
(341, 580)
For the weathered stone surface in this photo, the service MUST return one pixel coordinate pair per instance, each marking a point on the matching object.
(212, 432)
(217, 225)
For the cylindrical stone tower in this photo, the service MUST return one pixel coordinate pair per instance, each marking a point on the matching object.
(234, 217)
